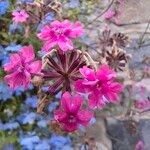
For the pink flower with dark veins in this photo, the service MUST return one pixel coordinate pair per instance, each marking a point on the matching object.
(100, 86)
(21, 66)
(59, 33)
(20, 16)
(70, 115)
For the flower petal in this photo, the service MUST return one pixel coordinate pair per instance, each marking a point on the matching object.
(60, 116)
(84, 116)
(105, 74)
(65, 43)
(87, 73)
(77, 30)
(14, 80)
(27, 53)
(13, 64)
(35, 67)
(95, 100)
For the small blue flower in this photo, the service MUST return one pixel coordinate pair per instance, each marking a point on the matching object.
(25, 1)
(58, 142)
(26, 118)
(20, 90)
(11, 125)
(52, 106)
(73, 3)
(4, 57)
(15, 28)
(44, 144)
(4, 4)
(32, 101)
(13, 47)
(92, 121)
(29, 142)
(42, 123)
(5, 92)
(9, 147)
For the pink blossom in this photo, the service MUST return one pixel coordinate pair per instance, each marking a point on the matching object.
(142, 104)
(139, 145)
(21, 66)
(59, 33)
(20, 16)
(109, 14)
(100, 86)
(70, 115)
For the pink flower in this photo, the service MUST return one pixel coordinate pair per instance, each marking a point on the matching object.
(19, 16)
(70, 115)
(59, 33)
(142, 104)
(109, 14)
(139, 145)
(21, 66)
(99, 85)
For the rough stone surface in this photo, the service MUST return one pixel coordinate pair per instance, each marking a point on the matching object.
(122, 135)
(135, 11)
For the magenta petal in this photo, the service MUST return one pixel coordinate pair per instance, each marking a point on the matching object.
(48, 45)
(26, 79)
(116, 87)
(14, 80)
(13, 64)
(87, 73)
(70, 127)
(79, 87)
(60, 116)
(84, 116)
(76, 103)
(96, 101)
(27, 53)
(66, 101)
(105, 74)
(77, 30)
(35, 67)
(65, 43)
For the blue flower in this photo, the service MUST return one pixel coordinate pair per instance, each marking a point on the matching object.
(4, 4)
(52, 106)
(32, 101)
(73, 3)
(58, 142)
(42, 123)
(20, 89)
(13, 47)
(5, 92)
(9, 147)
(29, 142)
(44, 144)
(9, 125)
(15, 28)
(48, 18)
(4, 57)
(25, 1)
(26, 118)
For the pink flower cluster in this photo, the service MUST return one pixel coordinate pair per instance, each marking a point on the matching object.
(20, 16)
(59, 33)
(99, 85)
(21, 66)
